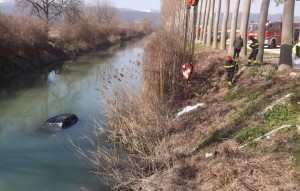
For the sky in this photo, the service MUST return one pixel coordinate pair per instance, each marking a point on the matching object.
(138, 4)
(134, 4)
(156, 4)
(256, 6)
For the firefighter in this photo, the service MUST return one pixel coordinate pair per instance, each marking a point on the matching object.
(254, 46)
(296, 50)
(296, 54)
(231, 67)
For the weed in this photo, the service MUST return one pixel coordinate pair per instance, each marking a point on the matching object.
(224, 181)
(296, 95)
(296, 154)
(216, 136)
(249, 134)
(269, 74)
(276, 148)
(235, 94)
(297, 159)
(253, 97)
(199, 46)
(252, 144)
(279, 114)
(252, 110)
(253, 71)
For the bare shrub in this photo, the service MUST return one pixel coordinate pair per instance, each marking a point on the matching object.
(21, 35)
(147, 25)
(137, 127)
(162, 62)
(89, 33)
(83, 30)
(104, 12)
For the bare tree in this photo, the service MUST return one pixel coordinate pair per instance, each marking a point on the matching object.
(224, 25)
(244, 24)
(74, 12)
(105, 12)
(262, 29)
(173, 14)
(48, 10)
(203, 20)
(199, 20)
(285, 59)
(210, 22)
(233, 25)
(216, 25)
(204, 35)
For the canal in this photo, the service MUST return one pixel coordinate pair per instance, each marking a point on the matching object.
(34, 159)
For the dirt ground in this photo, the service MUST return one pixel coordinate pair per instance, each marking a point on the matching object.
(220, 165)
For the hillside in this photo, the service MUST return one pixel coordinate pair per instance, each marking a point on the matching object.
(205, 144)
(126, 14)
(137, 16)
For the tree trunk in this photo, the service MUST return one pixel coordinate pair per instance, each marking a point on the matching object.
(244, 25)
(262, 29)
(216, 26)
(285, 61)
(199, 19)
(224, 25)
(233, 25)
(210, 22)
(205, 22)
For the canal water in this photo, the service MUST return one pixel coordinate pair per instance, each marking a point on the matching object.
(33, 159)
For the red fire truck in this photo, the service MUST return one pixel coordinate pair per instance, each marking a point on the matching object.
(273, 33)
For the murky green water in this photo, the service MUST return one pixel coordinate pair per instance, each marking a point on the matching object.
(34, 160)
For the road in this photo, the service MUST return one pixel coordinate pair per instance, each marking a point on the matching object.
(272, 50)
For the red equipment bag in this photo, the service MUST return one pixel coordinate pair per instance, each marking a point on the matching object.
(191, 2)
(186, 70)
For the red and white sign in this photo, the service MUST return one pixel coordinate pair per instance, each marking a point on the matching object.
(186, 70)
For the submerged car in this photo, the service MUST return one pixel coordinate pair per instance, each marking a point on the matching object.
(63, 121)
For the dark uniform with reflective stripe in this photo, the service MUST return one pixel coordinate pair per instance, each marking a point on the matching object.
(230, 67)
(254, 46)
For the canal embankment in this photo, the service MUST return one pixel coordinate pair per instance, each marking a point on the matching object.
(28, 43)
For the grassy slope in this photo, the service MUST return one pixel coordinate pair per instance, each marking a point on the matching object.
(231, 118)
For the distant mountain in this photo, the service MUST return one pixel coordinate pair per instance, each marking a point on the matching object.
(124, 13)
(137, 16)
(151, 11)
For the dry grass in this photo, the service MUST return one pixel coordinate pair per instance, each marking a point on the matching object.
(21, 36)
(165, 146)
(162, 61)
(137, 127)
(27, 43)
(141, 124)
(88, 33)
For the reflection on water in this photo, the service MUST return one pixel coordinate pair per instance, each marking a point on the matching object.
(31, 159)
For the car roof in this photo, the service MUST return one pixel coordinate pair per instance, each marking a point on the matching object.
(60, 118)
